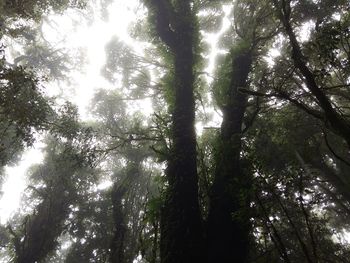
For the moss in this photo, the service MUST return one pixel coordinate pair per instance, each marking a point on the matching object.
(226, 73)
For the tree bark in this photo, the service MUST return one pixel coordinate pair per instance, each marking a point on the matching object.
(228, 220)
(120, 189)
(43, 227)
(181, 231)
(120, 228)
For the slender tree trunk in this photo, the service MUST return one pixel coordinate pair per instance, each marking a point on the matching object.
(43, 228)
(154, 254)
(228, 219)
(117, 247)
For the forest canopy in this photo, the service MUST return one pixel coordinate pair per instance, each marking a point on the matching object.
(175, 131)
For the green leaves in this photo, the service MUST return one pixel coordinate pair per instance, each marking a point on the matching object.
(23, 109)
(34, 9)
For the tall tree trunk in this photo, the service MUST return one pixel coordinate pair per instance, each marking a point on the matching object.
(120, 189)
(118, 245)
(180, 218)
(38, 234)
(43, 227)
(228, 220)
(181, 231)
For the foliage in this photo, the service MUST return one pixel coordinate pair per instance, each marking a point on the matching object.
(24, 108)
(34, 9)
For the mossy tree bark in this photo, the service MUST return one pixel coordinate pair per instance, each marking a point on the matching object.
(181, 231)
(228, 220)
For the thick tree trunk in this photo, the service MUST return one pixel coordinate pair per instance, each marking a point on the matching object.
(181, 231)
(180, 218)
(228, 219)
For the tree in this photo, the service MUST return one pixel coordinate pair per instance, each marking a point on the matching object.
(58, 184)
(336, 120)
(24, 107)
(229, 229)
(181, 226)
(124, 139)
(294, 200)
